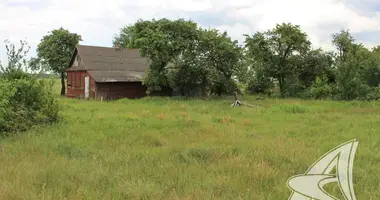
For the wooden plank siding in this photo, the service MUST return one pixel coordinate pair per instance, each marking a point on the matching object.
(75, 84)
(118, 90)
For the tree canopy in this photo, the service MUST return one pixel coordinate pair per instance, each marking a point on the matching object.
(184, 57)
(194, 61)
(56, 49)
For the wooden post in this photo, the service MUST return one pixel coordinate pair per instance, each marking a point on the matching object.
(101, 99)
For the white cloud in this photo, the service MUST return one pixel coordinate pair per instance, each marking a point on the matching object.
(97, 21)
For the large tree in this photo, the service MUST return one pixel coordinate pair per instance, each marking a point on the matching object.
(207, 65)
(274, 50)
(222, 56)
(56, 49)
(161, 41)
(183, 57)
(357, 67)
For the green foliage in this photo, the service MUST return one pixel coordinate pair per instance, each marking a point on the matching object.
(260, 83)
(185, 58)
(222, 56)
(275, 50)
(126, 37)
(285, 55)
(56, 50)
(313, 64)
(198, 62)
(25, 100)
(26, 103)
(321, 89)
(357, 69)
(16, 61)
(188, 77)
(374, 94)
(162, 41)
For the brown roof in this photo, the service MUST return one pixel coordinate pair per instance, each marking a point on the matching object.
(107, 64)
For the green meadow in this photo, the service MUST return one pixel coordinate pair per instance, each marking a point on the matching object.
(171, 148)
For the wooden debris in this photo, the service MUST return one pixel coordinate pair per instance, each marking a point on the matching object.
(237, 102)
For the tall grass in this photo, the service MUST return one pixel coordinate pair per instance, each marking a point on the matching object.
(160, 148)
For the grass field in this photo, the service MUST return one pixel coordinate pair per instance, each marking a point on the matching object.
(160, 148)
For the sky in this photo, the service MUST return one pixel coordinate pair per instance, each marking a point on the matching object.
(98, 20)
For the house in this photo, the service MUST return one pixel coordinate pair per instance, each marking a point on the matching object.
(108, 73)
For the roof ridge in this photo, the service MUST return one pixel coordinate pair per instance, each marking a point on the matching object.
(94, 46)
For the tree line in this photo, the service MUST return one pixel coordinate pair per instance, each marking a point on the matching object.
(197, 62)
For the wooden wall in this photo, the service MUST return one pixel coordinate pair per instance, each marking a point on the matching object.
(75, 84)
(109, 91)
(117, 90)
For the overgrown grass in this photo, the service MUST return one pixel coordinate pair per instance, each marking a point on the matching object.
(160, 148)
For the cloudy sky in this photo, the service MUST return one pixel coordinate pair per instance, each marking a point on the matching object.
(98, 20)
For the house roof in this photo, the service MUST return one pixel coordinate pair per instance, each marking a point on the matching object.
(107, 64)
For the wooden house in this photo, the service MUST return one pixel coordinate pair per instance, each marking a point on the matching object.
(108, 73)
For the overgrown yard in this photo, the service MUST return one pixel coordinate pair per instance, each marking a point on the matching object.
(157, 148)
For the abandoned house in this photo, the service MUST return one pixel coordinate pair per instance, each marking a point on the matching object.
(107, 73)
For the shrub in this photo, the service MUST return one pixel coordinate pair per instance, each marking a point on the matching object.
(320, 90)
(260, 83)
(24, 103)
(25, 100)
(374, 94)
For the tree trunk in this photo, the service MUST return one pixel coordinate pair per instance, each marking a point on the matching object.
(63, 88)
(280, 82)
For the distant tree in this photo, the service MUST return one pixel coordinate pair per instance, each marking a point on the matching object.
(274, 50)
(56, 49)
(16, 61)
(357, 68)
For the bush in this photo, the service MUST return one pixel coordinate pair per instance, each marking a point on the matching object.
(260, 83)
(320, 90)
(24, 103)
(374, 94)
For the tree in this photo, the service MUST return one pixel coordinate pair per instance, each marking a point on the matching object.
(162, 41)
(126, 37)
(16, 61)
(56, 49)
(183, 57)
(313, 64)
(343, 42)
(207, 66)
(274, 50)
(356, 68)
(222, 56)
